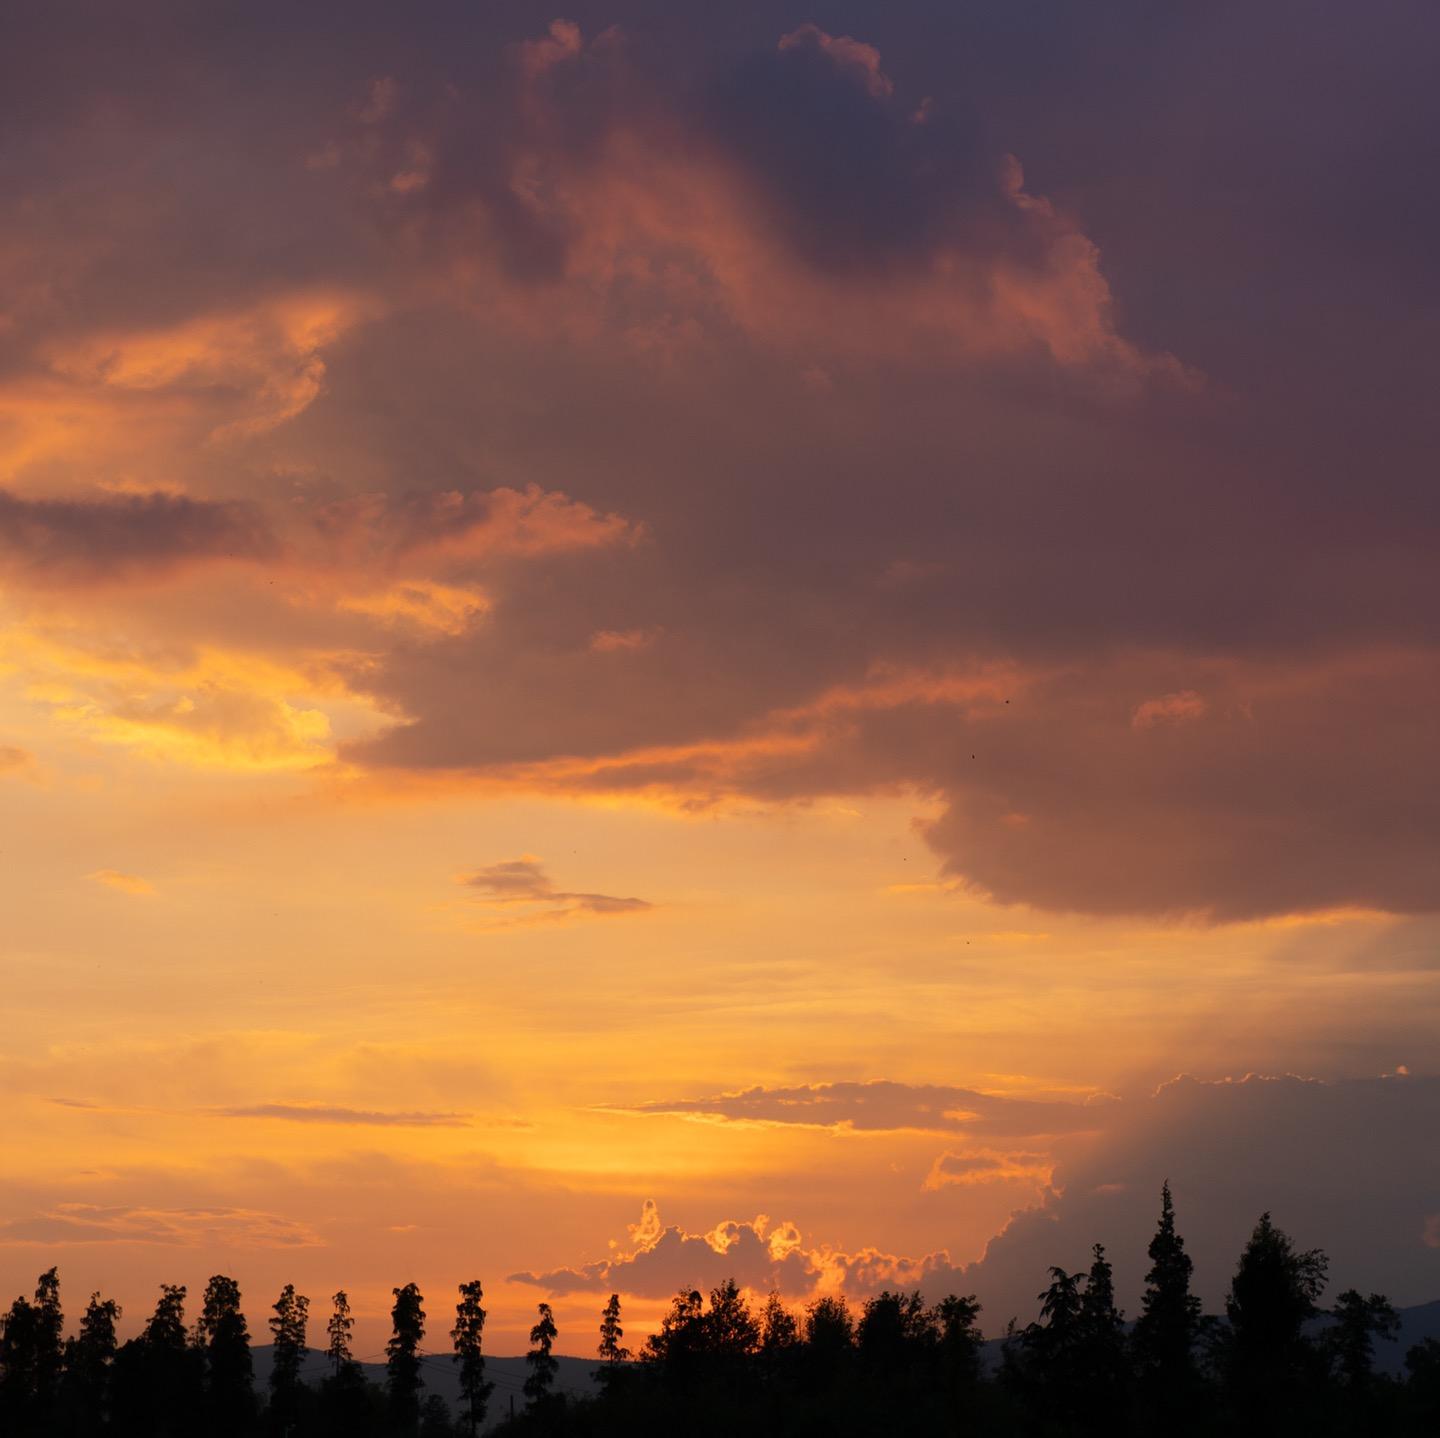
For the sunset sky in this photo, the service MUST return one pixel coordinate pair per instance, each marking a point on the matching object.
(674, 640)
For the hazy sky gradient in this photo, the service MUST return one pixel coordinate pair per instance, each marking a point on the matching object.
(675, 639)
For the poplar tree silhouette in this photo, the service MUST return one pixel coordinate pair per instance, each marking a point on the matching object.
(158, 1379)
(1101, 1354)
(49, 1344)
(89, 1360)
(543, 1366)
(345, 1396)
(1168, 1329)
(612, 1352)
(222, 1334)
(402, 1358)
(288, 1350)
(467, 1336)
(19, 1363)
(337, 1333)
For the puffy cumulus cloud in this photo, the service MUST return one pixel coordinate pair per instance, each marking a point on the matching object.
(1345, 1166)
(884, 1105)
(792, 194)
(664, 1258)
(69, 1224)
(524, 885)
(122, 537)
(759, 1255)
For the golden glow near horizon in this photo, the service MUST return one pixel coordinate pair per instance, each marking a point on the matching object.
(605, 714)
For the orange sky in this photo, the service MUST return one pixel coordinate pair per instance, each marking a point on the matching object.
(687, 656)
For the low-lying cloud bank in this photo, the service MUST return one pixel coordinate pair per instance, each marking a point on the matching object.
(1347, 1166)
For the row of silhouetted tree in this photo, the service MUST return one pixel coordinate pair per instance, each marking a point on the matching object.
(1275, 1364)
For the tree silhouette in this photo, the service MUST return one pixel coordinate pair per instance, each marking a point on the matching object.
(467, 1336)
(960, 1340)
(715, 1368)
(221, 1333)
(829, 1327)
(1168, 1329)
(730, 1327)
(612, 1352)
(158, 1378)
(49, 1344)
(543, 1366)
(1422, 1365)
(346, 1400)
(337, 1333)
(1272, 1296)
(402, 1358)
(1350, 1343)
(435, 1418)
(1101, 1351)
(19, 1363)
(779, 1328)
(679, 1337)
(891, 1327)
(288, 1350)
(89, 1360)
(1043, 1366)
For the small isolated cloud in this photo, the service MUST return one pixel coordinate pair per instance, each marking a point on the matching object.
(612, 641)
(125, 883)
(13, 759)
(1169, 709)
(523, 883)
(327, 1113)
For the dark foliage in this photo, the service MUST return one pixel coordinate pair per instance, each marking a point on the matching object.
(1276, 1365)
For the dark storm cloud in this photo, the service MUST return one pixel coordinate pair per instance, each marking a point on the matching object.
(772, 291)
(1342, 1165)
(853, 176)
